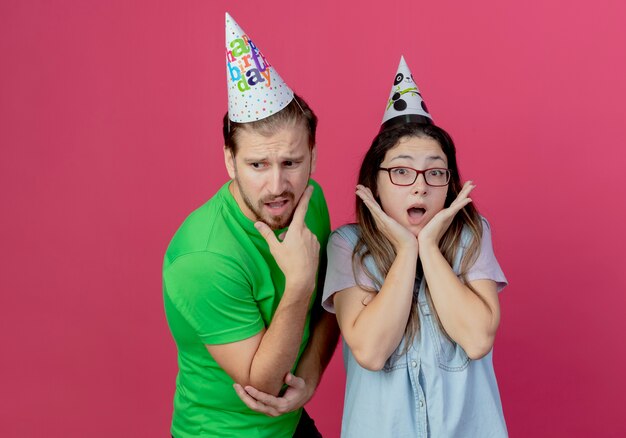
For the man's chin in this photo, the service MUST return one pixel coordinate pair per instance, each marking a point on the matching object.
(274, 221)
(277, 223)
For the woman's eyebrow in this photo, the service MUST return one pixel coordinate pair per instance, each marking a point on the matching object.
(399, 157)
(409, 157)
(434, 158)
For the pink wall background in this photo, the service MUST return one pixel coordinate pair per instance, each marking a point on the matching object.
(110, 135)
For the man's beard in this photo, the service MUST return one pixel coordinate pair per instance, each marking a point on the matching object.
(275, 223)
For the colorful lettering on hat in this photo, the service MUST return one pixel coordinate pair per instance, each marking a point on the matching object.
(255, 90)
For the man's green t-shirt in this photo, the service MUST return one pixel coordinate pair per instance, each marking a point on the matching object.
(220, 285)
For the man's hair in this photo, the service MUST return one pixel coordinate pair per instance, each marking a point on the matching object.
(297, 111)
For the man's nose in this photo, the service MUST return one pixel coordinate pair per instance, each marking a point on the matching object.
(277, 181)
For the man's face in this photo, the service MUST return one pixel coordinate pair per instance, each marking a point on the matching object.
(270, 173)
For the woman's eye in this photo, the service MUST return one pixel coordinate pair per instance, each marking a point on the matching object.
(400, 171)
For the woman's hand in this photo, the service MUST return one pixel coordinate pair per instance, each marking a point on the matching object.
(434, 230)
(399, 236)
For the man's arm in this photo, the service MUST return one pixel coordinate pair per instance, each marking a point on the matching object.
(264, 359)
(319, 351)
(314, 360)
(301, 386)
(323, 340)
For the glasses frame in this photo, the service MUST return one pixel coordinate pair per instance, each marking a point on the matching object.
(418, 172)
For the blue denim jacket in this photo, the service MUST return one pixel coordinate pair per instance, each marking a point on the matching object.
(433, 390)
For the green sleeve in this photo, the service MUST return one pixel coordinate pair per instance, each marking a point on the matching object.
(319, 224)
(211, 292)
(317, 218)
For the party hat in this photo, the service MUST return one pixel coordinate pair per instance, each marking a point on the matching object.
(255, 90)
(405, 102)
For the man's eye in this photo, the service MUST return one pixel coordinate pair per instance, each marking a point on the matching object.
(288, 163)
(257, 165)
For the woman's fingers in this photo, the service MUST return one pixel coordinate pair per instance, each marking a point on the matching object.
(435, 229)
(367, 197)
(397, 234)
(462, 199)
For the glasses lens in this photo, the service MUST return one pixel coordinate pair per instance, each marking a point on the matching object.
(437, 177)
(402, 176)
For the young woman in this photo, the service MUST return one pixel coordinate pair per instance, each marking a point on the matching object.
(414, 285)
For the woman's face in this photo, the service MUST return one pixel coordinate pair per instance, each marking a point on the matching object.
(415, 205)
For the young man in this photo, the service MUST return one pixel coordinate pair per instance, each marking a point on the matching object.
(240, 275)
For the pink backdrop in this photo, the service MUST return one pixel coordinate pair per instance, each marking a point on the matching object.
(110, 135)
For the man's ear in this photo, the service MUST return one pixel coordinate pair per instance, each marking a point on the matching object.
(229, 161)
(313, 157)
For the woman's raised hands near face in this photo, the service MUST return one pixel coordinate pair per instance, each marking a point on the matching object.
(399, 236)
(434, 230)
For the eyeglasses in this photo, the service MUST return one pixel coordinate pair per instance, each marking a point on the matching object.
(406, 176)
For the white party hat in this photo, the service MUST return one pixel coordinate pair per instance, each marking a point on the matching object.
(255, 90)
(405, 102)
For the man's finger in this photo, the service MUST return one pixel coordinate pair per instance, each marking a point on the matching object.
(254, 404)
(247, 399)
(267, 233)
(263, 397)
(294, 381)
(303, 205)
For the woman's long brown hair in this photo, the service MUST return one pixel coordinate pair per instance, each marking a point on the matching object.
(374, 244)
